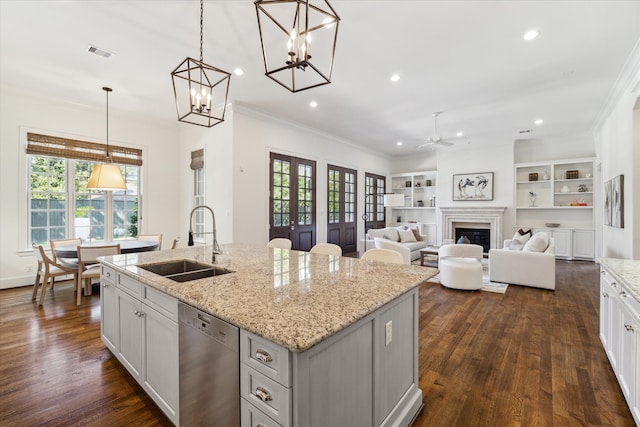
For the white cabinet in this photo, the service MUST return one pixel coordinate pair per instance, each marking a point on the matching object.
(108, 304)
(583, 244)
(139, 325)
(620, 336)
(562, 240)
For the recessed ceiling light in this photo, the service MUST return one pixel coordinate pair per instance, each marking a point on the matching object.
(459, 134)
(530, 35)
(313, 104)
(395, 77)
(399, 143)
(539, 121)
(238, 71)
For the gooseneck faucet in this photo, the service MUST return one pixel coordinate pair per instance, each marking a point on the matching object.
(216, 247)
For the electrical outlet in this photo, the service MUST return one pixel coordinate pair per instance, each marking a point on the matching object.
(388, 332)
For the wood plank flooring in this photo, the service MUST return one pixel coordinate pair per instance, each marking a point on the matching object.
(529, 357)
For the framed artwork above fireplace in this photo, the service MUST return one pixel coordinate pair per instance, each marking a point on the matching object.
(473, 186)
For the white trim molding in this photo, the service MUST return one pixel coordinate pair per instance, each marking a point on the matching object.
(452, 216)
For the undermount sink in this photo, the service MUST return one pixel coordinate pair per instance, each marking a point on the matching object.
(184, 270)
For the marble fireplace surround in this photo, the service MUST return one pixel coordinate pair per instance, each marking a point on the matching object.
(472, 217)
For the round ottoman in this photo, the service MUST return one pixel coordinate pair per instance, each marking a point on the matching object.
(461, 273)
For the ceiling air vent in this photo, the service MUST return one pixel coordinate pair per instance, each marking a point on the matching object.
(100, 52)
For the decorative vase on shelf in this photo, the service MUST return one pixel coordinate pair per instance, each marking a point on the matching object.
(532, 198)
(545, 176)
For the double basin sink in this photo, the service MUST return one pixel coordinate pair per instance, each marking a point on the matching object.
(184, 270)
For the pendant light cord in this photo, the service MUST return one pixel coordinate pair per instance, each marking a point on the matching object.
(201, 20)
(107, 90)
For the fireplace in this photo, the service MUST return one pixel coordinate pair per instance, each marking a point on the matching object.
(489, 218)
(476, 236)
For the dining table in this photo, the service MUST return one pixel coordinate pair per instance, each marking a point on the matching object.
(126, 247)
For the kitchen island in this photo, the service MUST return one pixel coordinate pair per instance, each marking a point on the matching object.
(342, 331)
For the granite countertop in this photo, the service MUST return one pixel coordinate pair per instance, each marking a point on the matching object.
(625, 271)
(292, 298)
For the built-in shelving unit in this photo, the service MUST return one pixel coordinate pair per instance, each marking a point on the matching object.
(418, 188)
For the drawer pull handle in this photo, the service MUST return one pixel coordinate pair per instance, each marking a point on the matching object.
(628, 327)
(263, 356)
(138, 313)
(606, 295)
(623, 294)
(105, 285)
(108, 274)
(263, 394)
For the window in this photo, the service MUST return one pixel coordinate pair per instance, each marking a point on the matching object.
(59, 204)
(197, 166)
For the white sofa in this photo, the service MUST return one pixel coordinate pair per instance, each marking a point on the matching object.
(523, 267)
(390, 238)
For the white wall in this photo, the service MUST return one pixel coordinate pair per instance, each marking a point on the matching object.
(19, 114)
(619, 155)
(254, 137)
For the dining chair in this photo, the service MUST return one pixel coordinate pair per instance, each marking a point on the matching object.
(48, 269)
(280, 243)
(151, 238)
(326, 249)
(89, 267)
(61, 243)
(383, 255)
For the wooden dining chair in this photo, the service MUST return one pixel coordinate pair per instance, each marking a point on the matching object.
(151, 238)
(60, 243)
(89, 267)
(280, 243)
(48, 270)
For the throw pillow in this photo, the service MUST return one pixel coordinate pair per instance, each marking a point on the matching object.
(406, 236)
(521, 238)
(538, 243)
(416, 234)
(515, 246)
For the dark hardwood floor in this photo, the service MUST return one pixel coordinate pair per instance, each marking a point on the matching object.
(529, 357)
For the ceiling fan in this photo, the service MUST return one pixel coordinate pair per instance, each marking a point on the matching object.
(436, 138)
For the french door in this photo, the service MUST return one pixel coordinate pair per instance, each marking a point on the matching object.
(374, 189)
(341, 208)
(292, 200)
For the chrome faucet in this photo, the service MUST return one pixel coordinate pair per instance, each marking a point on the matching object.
(216, 247)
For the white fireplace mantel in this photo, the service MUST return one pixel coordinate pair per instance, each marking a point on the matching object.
(490, 215)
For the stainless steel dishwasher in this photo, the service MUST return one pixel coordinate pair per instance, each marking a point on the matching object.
(209, 370)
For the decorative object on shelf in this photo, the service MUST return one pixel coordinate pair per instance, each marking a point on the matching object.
(288, 30)
(432, 201)
(573, 174)
(587, 175)
(419, 203)
(473, 186)
(532, 197)
(533, 176)
(203, 89)
(545, 176)
(106, 176)
(417, 184)
(407, 184)
(564, 189)
(552, 224)
(579, 202)
(614, 202)
(428, 183)
(582, 188)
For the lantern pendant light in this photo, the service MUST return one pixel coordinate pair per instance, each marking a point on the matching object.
(298, 39)
(106, 176)
(200, 89)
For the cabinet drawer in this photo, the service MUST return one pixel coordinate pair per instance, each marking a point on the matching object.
(108, 273)
(165, 304)
(266, 357)
(253, 417)
(265, 394)
(129, 285)
(630, 302)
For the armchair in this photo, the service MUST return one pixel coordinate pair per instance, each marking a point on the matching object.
(536, 269)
